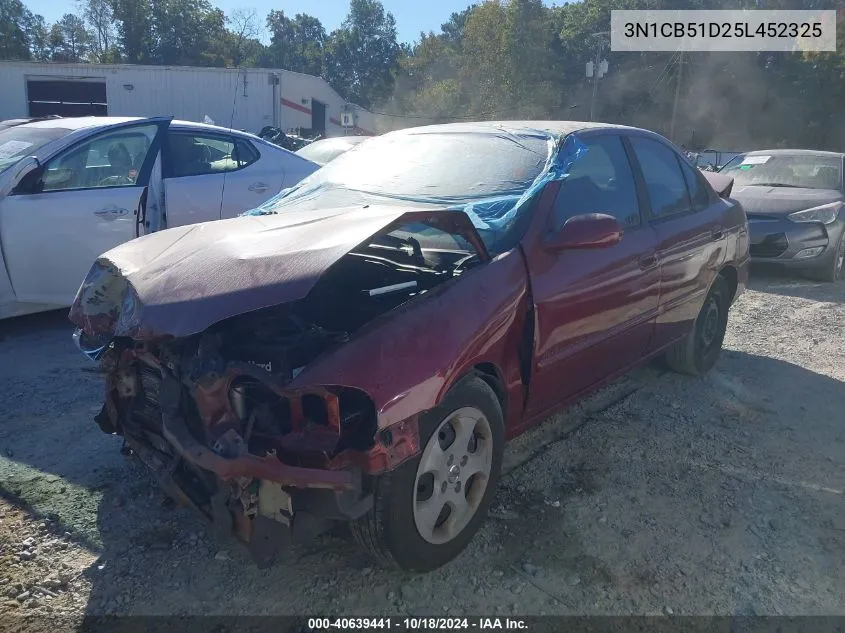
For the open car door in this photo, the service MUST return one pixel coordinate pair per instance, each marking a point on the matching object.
(82, 201)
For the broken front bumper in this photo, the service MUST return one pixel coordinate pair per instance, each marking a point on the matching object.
(291, 492)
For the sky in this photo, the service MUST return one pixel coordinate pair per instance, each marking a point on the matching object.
(412, 16)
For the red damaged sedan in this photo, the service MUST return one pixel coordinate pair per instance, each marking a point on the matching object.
(361, 346)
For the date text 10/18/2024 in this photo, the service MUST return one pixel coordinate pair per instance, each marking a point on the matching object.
(417, 624)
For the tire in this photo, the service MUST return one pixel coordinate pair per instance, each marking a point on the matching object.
(835, 270)
(390, 532)
(698, 351)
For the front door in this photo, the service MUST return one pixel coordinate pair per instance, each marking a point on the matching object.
(81, 203)
(594, 308)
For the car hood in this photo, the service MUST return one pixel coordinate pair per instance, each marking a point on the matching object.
(780, 201)
(180, 281)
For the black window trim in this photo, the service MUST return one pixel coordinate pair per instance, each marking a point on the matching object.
(702, 182)
(652, 218)
(167, 158)
(598, 133)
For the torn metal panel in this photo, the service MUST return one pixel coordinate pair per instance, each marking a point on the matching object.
(432, 340)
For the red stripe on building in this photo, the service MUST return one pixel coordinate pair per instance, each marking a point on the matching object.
(296, 106)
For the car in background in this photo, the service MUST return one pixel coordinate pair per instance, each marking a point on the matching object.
(327, 149)
(794, 200)
(360, 348)
(72, 188)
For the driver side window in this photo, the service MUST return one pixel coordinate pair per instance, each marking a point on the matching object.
(600, 182)
(113, 159)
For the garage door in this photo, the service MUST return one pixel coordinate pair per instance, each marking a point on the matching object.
(66, 98)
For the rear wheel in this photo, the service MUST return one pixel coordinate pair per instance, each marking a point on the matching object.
(835, 269)
(427, 510)
(698, 351)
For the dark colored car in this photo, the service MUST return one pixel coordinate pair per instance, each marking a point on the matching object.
(794, 201)
(363, 345)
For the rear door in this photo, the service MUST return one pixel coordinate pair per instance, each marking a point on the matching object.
(594, 308)
(257, 173)
(691, 241)
(81, 203)
(210, 175)
(192, 173)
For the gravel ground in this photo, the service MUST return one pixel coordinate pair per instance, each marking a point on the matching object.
(660, 494)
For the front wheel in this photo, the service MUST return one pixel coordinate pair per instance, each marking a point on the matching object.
(427, 510)
(697, 352)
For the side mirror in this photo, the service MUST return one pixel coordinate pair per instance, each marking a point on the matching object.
(24, 172)
(589, 230)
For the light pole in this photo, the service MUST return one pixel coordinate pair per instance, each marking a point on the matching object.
(677, 94)
(597, 69)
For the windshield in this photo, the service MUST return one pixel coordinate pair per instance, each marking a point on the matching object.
(484, 174)
(20, 141)
(433, 168)
(321, 152)
(811, 171)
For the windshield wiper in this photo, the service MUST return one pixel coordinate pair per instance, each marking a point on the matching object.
(772, 184)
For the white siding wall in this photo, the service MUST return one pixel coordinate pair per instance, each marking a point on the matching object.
(190, 94)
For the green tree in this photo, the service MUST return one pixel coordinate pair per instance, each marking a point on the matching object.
(39, 38)
(16, 22)
(244, 46)
(296, 44)
(100, 17)
(135, 29)
(188, 32)
(70, 40)
(361, 57)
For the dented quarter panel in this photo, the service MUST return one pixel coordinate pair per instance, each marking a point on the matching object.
(408, 359)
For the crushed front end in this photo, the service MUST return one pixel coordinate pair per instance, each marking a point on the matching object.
(211, 416)
(216, 411)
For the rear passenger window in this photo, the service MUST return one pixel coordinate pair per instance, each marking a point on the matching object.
(245, 154)
(667, 189)
(198, 155)
(600, 182)
(697, 190)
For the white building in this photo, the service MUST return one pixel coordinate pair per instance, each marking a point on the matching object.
(242, 98)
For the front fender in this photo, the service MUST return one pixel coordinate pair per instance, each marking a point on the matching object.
(407, 359)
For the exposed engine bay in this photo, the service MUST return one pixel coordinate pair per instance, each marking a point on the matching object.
(212, 415)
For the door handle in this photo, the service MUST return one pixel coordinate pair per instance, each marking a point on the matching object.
(648, 261)
(258, 187)
(111, 212)
(716, 233)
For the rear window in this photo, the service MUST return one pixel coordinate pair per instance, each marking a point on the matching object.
(20, 141)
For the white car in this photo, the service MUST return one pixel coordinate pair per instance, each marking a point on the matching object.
(71, 189)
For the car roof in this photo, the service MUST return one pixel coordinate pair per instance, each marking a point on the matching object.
(795, 152)
(80, 123)
(554, 128)
(339, 140)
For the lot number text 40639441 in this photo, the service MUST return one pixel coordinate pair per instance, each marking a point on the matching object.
(418, 624)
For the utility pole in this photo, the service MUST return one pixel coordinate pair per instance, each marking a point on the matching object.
(677, 95)
(596, 73)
